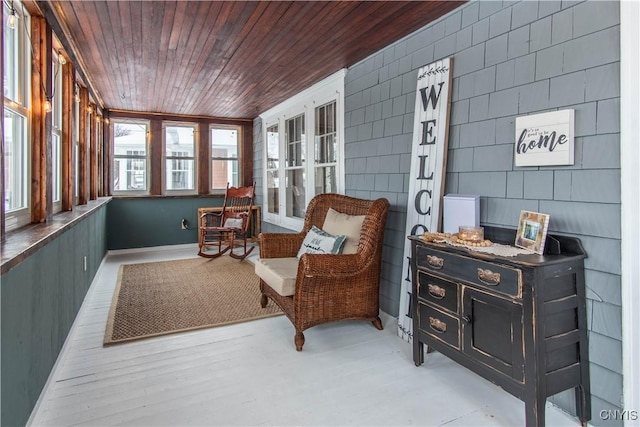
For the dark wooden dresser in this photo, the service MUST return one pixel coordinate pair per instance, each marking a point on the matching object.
(519, 322)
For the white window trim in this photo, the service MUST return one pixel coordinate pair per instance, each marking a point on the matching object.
(146, 191)
(240, 140)
(305, 102)
(194, 158)
(20, 217)
(630, 206)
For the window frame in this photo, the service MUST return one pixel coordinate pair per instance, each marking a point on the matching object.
(57, 108)
(212, 158)
(146, 157)
(20, 106)
(165, 157)
(327, 91)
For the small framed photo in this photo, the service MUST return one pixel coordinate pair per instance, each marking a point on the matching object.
(532, 231)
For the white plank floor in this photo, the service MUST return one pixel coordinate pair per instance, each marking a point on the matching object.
(249, 374)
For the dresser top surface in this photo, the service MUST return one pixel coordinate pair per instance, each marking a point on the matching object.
(570, 249)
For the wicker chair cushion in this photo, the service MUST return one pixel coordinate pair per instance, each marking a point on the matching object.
(350, 225)
(320, 242)
(278, 273)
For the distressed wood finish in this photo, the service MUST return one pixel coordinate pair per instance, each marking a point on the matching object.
(155, 146)
(83, 144)
(520, 322)
(93, 153)
(225, 59)
(41, 60)
(68, 166)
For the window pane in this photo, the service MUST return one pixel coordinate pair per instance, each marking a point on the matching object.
(223, 172)
(56, 164)
(273, 184)
(136, 177)
(15, 158)
(130, 136)
(16, 67)
(296, 203)
(180, 173)
(325, 136)
(180, 139)
(294, 139)
(273, 147)
(224, 158)
(326, 180)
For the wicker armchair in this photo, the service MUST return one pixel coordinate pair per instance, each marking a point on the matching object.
(330, 287)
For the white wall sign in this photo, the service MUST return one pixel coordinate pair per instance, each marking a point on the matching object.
(545, 139)
(428, 162)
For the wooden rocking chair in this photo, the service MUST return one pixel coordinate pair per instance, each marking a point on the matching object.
(221, 231)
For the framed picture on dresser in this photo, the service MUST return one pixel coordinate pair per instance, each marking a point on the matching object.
(532, 231)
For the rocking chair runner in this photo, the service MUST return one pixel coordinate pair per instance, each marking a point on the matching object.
(221, 231)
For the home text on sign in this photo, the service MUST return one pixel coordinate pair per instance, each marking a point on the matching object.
(545, 139)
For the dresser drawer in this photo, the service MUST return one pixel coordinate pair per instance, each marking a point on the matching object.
(498, 278)
(439, 325)
(442, 293)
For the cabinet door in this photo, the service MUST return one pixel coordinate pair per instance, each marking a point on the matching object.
(492, 332)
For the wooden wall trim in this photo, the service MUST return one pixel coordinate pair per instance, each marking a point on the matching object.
(106, 160)
(40, 144)
(68, 100)
(177, 117)
(93, 153)
(83, 161)
(204, 158)
(155, 167)
(246, 154)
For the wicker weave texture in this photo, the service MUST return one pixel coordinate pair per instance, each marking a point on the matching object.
(331, 287)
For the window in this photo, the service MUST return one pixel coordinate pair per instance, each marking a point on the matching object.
(325, 146)
(56, 137)
(224, 156)
(16, 82)
(272, 170)
(130, 156)
(306, 133)
(180, 157)
(295, 167)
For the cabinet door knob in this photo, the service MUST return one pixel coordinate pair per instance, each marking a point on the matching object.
(466, 319)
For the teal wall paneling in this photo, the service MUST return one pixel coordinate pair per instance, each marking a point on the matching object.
(153, 221)
(40, 298)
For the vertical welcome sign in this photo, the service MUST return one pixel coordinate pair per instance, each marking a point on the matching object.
(428, 164)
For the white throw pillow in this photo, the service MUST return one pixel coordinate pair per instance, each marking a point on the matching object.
(349, 225)
(233, 223)
(320, 242)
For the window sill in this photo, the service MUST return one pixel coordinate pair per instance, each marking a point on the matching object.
(24, 241)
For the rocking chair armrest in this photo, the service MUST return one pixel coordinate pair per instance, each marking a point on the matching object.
(214, 214)
(280, 245)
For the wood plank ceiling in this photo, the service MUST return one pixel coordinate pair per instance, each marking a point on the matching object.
(231, 59)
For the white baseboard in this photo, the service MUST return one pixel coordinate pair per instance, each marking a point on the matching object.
(193, 246)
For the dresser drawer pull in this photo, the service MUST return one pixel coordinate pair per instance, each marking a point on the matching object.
(436, 291)
(437, 325)
(488, 277)
(435, 262)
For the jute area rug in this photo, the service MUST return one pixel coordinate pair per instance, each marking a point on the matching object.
(159, 298)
